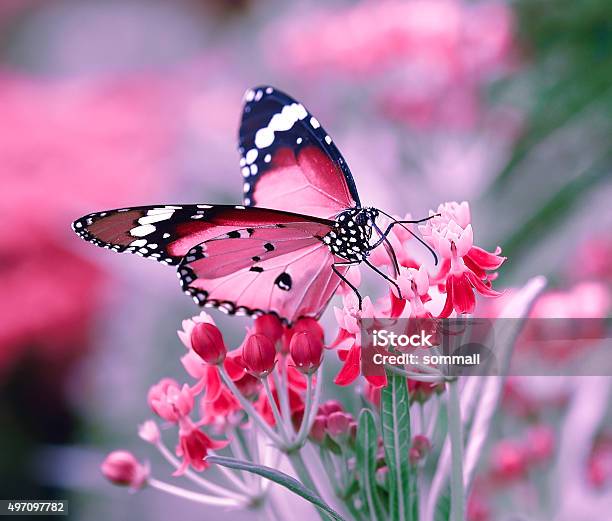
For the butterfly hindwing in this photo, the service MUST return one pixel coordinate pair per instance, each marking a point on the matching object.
(288, 160)
(284, 270)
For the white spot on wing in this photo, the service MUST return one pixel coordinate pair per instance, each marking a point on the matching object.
(149, 219)
(280, 122)
(251, 156)
(141, 231)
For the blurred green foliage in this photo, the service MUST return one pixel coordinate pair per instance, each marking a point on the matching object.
(567, 47)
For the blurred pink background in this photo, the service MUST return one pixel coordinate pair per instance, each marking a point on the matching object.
(111, 104)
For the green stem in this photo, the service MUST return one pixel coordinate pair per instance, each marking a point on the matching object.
(456, 442)
(303, 474)
(308, 412)
(330, 468)
(249, 409)
(282, 388)
(280, 424)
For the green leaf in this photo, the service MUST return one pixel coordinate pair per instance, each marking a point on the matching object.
(395, 417)
(443, 506)
(276, 476)
(558, 207)
(367, 443)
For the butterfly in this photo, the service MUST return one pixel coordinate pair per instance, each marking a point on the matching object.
(287, 248)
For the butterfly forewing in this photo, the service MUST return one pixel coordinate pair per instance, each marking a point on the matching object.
(288, 160)
(167, 233)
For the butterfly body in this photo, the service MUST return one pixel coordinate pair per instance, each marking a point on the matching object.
(261, 256)
(351, 234)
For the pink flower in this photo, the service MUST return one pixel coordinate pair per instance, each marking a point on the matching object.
(540, 443)
(464, 267)
(122, 468)
(427, 59)
(422, 391)
(508, 461)
(349, 333)
(194, 446)
(419, 449)
(318, 429)
(599, 465)
(270, 326)
(414, 285)
(149, 432)
(339, 426)
(169, 401)
(592, 259)
(220, 409)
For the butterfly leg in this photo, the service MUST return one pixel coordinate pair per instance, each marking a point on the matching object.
(385, 276)
(345, 280)
(389, 248)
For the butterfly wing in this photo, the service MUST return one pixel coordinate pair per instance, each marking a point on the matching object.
(288, 160)
(167, 233)
(281, 269)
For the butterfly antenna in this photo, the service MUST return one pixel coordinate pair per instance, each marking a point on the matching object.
(403, 223)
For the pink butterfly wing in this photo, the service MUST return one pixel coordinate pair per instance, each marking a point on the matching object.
(167, 233)
(284, 270)
(288, 160)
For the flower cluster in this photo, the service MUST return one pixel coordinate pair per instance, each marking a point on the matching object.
(269, 386)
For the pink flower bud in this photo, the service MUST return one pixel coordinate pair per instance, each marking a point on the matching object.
(169, 401)
(149, 432)
(382, 475)
(326, 408)
(414, 456)
(259, 355)
(207, 342)
(270, 326)
(540, 443)
(339, 425)
(509, 460)
(193, 447)
(307, 351)
(420, 447)
(317, 431)
(303, 324)
(122, 468)
(311, 325)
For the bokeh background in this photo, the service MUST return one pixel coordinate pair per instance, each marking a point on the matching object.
(105, 104)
